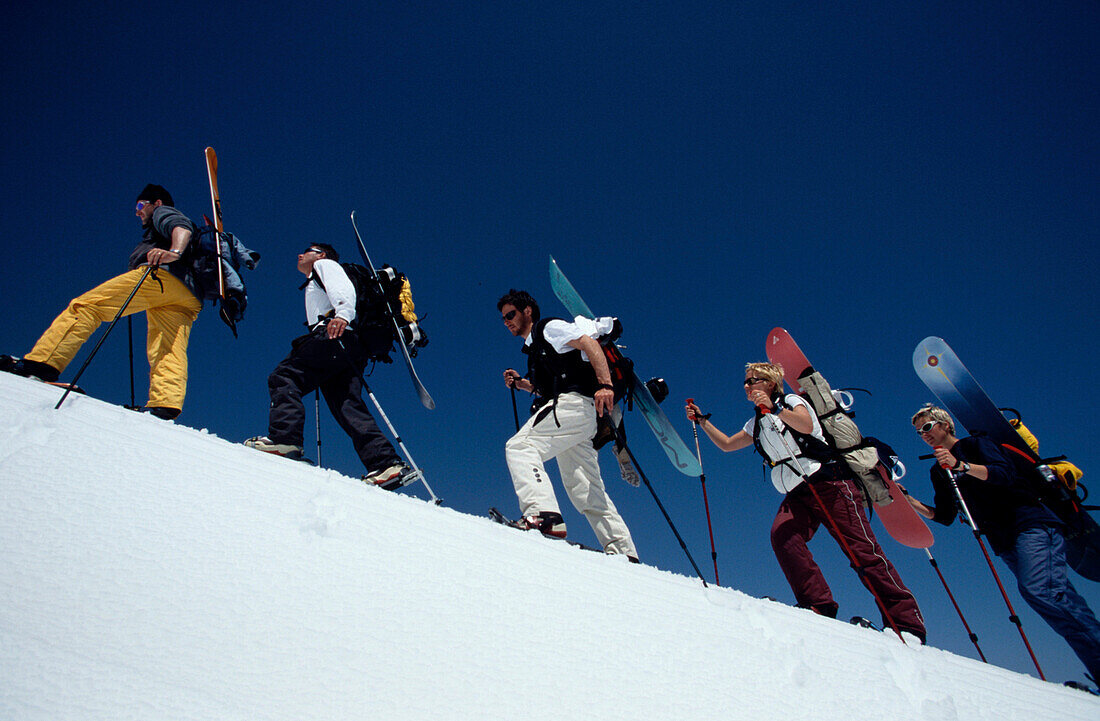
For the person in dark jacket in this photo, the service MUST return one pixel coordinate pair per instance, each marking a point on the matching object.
(168, 304)
(1022, 531)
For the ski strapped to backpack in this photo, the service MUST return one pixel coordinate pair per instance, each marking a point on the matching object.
(374, 302)
(866, 457)
(216, 256)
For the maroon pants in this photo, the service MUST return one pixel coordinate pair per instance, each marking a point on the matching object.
(795, 524)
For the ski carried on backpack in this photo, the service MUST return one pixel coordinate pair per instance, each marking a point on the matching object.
(216, 257)
(872, 474)
(946, 376)
(675, 448)
(421, 391)
(216, 202)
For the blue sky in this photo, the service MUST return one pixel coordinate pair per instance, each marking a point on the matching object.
(863, 175)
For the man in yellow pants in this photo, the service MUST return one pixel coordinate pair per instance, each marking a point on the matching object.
(169, 305)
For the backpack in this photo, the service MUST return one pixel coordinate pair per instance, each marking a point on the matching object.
(843, 438)
(374, 308)
(202, 277)
(1055, 481)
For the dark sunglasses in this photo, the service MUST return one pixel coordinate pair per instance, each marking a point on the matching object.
(311, 249)
(927, 427)
(510, 314)
(754, 381)
(142, 203)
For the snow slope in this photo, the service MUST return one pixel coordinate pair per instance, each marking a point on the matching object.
(152, 571)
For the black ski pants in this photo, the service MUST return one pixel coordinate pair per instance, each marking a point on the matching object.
(316, 361)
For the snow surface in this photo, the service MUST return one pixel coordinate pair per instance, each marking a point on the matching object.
(152, 571)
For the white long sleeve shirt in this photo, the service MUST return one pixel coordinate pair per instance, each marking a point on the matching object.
(338, 294)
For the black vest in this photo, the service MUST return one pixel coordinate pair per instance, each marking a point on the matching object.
(554, 373)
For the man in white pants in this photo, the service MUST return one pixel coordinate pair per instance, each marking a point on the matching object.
(568, 371)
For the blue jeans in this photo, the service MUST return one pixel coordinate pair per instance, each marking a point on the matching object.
(1039, 563)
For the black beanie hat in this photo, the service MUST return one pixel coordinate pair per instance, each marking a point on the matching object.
(156, 192)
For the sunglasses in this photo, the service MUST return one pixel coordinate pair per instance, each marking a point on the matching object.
(311, 249)
(142, 203)
(510, 314)
(754, 381)
(927, 427)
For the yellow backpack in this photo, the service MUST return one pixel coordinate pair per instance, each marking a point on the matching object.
(1067, 473)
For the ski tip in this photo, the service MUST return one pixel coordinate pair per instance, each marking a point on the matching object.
(776, 334)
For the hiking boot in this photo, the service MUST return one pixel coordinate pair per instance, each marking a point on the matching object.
(388, 478)
(165, 414)
(265, 444)
(548, 523)
(29, 369)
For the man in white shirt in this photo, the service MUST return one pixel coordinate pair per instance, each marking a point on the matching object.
(328, 357)
(568, 370)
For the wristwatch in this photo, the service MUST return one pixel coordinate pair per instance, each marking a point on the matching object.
(965, 468)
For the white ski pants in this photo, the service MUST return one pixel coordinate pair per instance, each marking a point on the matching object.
(541, 439)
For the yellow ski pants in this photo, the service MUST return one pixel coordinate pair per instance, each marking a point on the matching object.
(170, 309)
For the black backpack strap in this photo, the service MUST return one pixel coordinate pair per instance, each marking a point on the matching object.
(541, 352)
(806, 444)
(313, 278)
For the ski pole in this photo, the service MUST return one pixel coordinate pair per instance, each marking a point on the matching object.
(622, 442)
(130, 339)
(973, 636)
(767, 413)
(515, 411)
(953, 477)
(393, 432)
(72, 384)
(317, 415)
(706, 504)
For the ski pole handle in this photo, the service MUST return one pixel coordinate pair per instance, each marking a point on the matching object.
(695, 432)
(944, 466)
(694, 417)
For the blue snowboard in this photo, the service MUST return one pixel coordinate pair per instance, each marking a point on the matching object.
(947, 377)
(674, 446)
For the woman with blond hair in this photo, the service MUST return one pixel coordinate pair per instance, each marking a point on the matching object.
(818, 488)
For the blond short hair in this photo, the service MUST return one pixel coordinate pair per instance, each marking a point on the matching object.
(934, 413)
(768, 371)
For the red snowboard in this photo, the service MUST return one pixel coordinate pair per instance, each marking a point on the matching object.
(900, 520)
